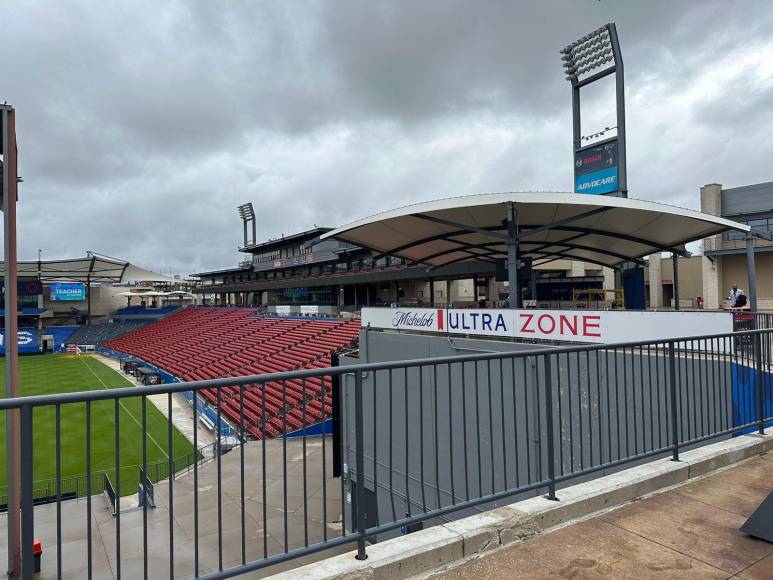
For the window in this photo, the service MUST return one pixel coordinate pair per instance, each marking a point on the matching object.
(764, 224)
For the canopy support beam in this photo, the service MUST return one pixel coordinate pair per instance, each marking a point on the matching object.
(564, 221)
(468, 228)
(675, 262)
(750, 266)
(513, 295)
(627, 237)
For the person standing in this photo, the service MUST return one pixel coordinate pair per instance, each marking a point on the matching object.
(737, 297)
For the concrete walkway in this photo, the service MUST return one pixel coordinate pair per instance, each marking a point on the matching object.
(307, 521)
(691, 531)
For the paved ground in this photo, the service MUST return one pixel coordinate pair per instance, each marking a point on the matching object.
(313, 521)
(688, 532)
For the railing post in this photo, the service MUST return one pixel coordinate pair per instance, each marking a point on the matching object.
(758, 385)
(672, 391)
(550, 429)
(27, 494)
(359, 497)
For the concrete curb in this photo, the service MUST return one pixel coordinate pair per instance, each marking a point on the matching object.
(445, 544)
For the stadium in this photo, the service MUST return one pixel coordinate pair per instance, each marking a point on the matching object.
(376, 399)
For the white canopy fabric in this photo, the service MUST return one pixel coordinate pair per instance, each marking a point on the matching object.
(593, 228)
(94, 268)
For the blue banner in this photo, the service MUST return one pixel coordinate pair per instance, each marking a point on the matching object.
(604, 181)
(27, 338)
(67, 291)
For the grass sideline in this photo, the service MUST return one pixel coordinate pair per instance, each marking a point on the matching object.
(47, 374)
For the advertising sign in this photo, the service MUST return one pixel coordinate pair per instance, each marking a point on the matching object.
(309, 310)
(595, 169)
(27, 339)
(67, 291)
(585, 326)
(284, 310)
(26, 287)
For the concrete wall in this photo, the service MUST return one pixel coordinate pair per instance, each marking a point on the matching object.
(734, 271)
(690, 279)
(711, 271)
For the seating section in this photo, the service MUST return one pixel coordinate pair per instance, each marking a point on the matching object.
(103, 332)
(140, 310)
(207, 343)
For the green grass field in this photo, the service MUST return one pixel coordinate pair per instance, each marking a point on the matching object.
(48, 374)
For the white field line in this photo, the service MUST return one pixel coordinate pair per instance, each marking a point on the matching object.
(105, 387)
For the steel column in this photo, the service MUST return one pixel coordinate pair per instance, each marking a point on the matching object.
(431, 292)
(752, 273)
(88, 295)
(576, 124)
(675, 262)
(513, 295)
(27, 520)
(359, 498)
(8, 129)
(551, 443)
(622, 172)
(674, 401)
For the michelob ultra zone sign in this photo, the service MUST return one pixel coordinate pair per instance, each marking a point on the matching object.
(602, 326)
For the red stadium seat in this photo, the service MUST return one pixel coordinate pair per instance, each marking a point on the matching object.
(207, 343)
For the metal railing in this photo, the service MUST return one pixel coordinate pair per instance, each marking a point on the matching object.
(78, 486)
(717, 243)
(415, 441)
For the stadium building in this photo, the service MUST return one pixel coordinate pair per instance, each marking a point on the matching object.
(303, 273)
(724, 256)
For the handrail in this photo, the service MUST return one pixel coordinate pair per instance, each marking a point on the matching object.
(147, 390)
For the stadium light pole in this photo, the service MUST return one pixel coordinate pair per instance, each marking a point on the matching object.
(247, 213)
(599, 49)
(13, 460)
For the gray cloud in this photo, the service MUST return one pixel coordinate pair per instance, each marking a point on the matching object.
(141, 126)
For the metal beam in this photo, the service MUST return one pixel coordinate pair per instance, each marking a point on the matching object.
(513, 294)
(628, 237)
(468, 228)
(427, 240)
(564, 221)
(571, 257)
(750, 266)
(675, 281)
(13, 461)
(638, 261)
(465, 259)
(462, 248)
(622, 171)
(595, 77)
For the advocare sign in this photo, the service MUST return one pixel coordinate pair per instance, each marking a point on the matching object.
(601, 326)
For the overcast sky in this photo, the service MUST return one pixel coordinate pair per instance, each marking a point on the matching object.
(142, 125)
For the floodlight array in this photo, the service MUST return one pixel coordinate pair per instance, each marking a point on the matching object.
(590, 52)
(246, 212)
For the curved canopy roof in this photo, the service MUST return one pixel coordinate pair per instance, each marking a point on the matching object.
(598, 229)
(94, 268)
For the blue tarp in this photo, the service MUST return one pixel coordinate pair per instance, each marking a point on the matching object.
(745, 398)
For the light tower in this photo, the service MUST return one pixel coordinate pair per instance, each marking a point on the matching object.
(599, 167)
